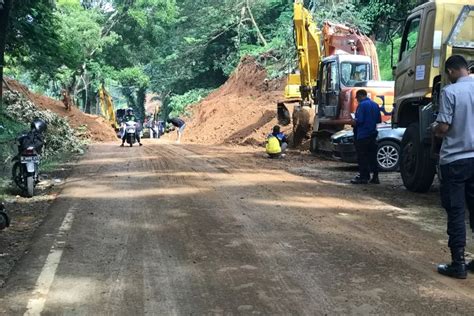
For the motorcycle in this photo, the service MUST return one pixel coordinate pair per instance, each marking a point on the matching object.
(25, 170)
(4, 218)
(130, 132)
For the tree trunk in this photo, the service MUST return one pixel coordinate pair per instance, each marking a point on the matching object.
(259, 34)
(88, 106)
(5, 6)
(141, 98)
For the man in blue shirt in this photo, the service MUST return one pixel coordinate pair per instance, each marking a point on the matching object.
(367, 117)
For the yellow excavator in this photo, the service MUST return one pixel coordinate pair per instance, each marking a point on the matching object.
(333, 63)
(107, 107)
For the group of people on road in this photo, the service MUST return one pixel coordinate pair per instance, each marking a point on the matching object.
(455, 126)
(157, 128)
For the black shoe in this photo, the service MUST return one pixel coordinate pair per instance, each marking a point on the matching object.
(457, 268)
(374, 180)
(359, 180)
(140, 144)
(470, 266)
(122, 145)
(453, 270)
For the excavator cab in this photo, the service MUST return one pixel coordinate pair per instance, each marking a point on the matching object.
(339, 76)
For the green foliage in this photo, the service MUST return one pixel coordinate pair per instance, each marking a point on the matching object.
(80, 33)
(59, 137)
(384, 51)
(177, 105)
(345, 12)
(9, 129)
(32, 40)
(181, 48)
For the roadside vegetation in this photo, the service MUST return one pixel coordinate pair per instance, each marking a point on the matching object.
(62, 141)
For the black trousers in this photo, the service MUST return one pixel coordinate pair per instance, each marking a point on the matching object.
(137, 136)
(366, 149)
(457, 187)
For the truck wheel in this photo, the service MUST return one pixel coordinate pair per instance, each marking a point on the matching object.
(388, 156)
(416, 166)
(314, 144)
(30, 186)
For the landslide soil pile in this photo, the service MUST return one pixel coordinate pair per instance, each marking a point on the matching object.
(95, 127)
(242, 111)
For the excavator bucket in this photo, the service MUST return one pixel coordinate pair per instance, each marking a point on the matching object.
(284, 116)
(292, 96)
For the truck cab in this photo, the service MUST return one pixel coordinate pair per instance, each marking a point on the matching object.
(340, 77)
(433, 32)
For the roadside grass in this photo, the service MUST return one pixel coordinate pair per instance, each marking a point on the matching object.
(9, 130)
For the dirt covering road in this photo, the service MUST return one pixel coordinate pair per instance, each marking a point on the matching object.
(192, 230)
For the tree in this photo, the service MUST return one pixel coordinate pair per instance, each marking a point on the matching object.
(5, 6)
(32, 41)
(84, 33)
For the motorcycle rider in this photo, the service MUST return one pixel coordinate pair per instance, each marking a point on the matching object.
(129, 116)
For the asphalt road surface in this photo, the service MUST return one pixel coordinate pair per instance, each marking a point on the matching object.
(192, 230)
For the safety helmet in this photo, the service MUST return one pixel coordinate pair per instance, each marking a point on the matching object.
(39, 125)
(129, 111)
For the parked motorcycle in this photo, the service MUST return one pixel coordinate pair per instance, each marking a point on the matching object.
(25, 170)
(131, 132)
(4, 218)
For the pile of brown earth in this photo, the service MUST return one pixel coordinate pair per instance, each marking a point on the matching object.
(96, 128)
(242, 111)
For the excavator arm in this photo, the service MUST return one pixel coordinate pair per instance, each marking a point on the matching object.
(107, 106)
(308, 45)
(308, 42)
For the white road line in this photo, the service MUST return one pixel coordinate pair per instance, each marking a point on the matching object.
(43, 284)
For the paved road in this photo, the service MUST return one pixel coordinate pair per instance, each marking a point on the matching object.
(190, 230)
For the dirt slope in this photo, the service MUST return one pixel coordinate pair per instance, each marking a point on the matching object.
(97, 128)
(242, 111)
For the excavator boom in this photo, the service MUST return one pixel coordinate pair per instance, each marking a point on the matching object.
(107, 106)
(308, 45)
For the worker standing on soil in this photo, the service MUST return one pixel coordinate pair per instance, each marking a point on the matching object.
(179, 124)
(455, 124)
(367, 117)
(276, 143)
(67, 101)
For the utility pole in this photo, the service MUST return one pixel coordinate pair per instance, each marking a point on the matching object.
(5, 6)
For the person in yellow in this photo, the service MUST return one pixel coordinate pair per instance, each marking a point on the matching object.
(276, 143)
